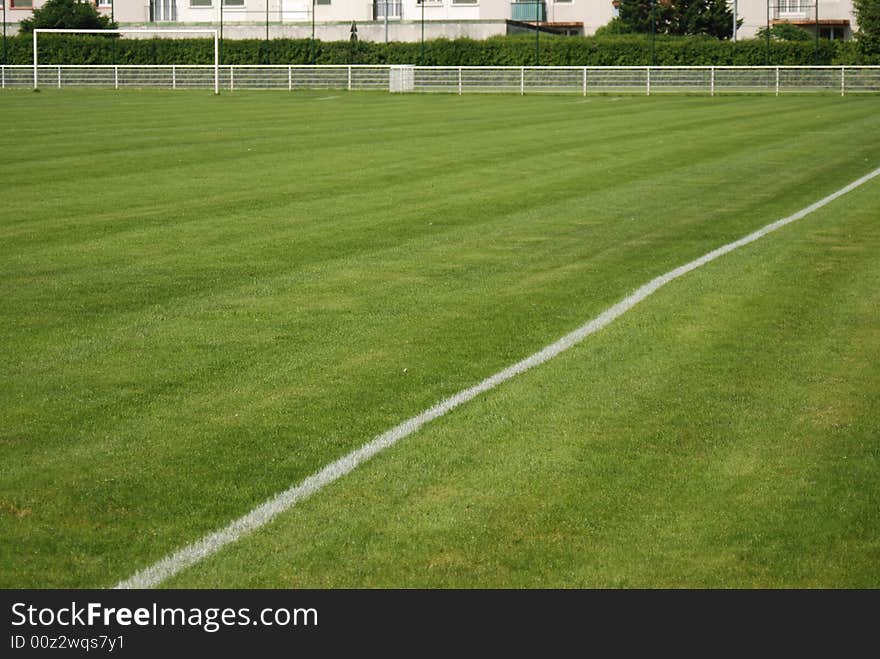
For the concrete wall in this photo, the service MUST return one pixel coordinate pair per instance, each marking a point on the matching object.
(124, 12)
(367, 31)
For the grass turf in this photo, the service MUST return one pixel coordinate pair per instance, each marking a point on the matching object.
(207, 299)
(723, 434)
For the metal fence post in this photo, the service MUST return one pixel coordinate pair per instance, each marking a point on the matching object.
(777, 81)
(459, 81)
(173, 76)
(231, 77)
(585, 81)
(648, 80)
(712, 81)
(217, 56)
(289, 78)
(59, 76)
(116, 76)
(522, 80)
(349, 78)
(843, 81)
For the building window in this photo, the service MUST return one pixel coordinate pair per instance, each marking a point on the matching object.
(793, 7)
(233, 3)
(464, 2)
(22, 4)
(201, 3)
(322, 2)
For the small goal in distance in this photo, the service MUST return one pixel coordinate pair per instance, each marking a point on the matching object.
(203, 31)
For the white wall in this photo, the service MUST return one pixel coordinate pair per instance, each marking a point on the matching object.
(480, 19)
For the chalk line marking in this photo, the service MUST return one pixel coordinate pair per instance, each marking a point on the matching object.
(262, 514)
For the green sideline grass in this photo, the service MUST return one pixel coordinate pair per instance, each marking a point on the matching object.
(207, 299)
(723, 434)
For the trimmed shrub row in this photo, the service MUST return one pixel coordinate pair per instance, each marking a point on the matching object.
(630, 50)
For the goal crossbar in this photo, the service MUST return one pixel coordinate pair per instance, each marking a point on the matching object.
(205, 31)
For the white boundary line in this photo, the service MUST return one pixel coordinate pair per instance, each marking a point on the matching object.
(261, 515)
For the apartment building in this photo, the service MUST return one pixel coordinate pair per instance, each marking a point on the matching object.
(835, 18)
(408, 20)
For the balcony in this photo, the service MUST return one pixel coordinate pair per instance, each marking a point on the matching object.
(781, 10)
(528, 11)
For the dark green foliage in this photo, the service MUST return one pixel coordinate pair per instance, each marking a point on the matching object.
(850, 52)
(786, 32)
(623, 50)
(614, 27)
(66, 14)
(868, 15)
(678, 17)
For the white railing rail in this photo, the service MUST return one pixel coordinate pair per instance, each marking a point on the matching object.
(706, 80)
(200, 31)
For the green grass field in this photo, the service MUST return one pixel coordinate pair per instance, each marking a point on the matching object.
(206, 300)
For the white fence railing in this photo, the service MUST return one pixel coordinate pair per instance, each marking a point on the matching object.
(709, 80)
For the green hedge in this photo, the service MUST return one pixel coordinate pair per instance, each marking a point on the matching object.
(629, 50)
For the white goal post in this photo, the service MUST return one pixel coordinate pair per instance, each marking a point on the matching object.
(204, 31)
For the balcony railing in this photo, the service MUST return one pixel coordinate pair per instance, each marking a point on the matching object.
(792, 9)
(528, 11)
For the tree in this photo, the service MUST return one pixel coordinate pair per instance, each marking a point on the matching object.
(785, 32)
(868, 16)
(67, 14)
(709, 17)
(613, 28)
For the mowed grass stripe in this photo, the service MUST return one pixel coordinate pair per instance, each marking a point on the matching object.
(350, 144)
(246, 338)
(722, 434)
(264, 513)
